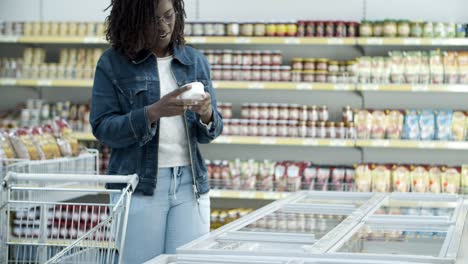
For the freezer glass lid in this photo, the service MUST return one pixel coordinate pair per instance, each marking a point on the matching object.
(284, 221)
(334, 200)
(395, 241)
(416, 208)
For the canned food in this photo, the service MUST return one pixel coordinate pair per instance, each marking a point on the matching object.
(404, 29)
(310, 29)
(319, 29)
(340, 31)
(237, 73)
(226, 73)
(321, 76)
(301, 28)
(188, 29)
(390, 28)
(352, 29)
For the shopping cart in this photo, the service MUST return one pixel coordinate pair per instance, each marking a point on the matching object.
(44, 229)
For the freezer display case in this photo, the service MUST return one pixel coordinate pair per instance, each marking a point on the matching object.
(363, 227)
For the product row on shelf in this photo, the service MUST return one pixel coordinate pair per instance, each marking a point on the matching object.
(62, 222)
(291, 176)
(221, 217)
(62, 29)
(50, 141)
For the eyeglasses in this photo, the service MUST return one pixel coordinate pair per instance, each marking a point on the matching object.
(167, 19)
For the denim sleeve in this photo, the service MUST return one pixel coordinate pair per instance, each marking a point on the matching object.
(111, 126)
(205, 135)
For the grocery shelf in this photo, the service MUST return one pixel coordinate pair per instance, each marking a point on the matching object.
(451, 145)
(53, 40)
(45, 82)
(282, 141)
(271, 40)
(283, 86)
(447, 88)
(412, 41)
(258, 195)
(83, 136)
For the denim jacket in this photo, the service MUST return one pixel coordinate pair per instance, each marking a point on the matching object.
(122, 89)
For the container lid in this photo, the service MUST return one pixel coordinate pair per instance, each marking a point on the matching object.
(297, 59)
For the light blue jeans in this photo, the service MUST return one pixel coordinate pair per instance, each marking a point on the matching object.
(170, 218)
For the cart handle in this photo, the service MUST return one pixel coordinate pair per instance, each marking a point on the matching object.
(132, 179)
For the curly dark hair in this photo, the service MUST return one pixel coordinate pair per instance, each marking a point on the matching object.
(132, 25)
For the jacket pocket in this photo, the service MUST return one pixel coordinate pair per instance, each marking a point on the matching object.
(134, 93)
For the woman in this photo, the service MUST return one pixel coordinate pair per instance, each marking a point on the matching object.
(136, 111)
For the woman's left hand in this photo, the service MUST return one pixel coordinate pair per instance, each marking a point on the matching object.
(204, 109)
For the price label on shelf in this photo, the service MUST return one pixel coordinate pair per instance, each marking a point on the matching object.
(374, 41)
(304, 86)
(267, 141)
(419, 88)
(44, 83)
(91, 40)
(196, 40)
(412, 41)
(342, 87)
(310, 142)
(6, 82)
(247, 195)
(292, 41)
(9, 39)
(243, 40)
(256, 85)
(335, 41)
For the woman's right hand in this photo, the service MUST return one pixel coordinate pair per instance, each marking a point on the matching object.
(169, 105)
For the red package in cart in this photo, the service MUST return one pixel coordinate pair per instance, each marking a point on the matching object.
(309, 177)
(362, 178)
(451, 178)
(435, 179)
(281, 177)
(381, 178)
(363, 124)
(323, 177)
(401, 178)
(379, 124)
(419, 179)
(294, 172)
(395, 120)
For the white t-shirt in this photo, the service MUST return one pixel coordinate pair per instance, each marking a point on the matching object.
(173, 144)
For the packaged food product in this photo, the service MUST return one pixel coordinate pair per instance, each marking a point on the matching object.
(281, 176)
(436, 67)
(323, 177)
(46, 142)
(68, 143)
(337, 178)
(294, 172)
(390, 28)
(464, 179)
(377, 28)
(411, 128)
(266, 176)
(404, 29)
(397, 70)
(428, 30)
(363, 178)
(419, 179)
(444, 124)
(416, 29)
(379, 124)
(427, 125)
(365, 29)
(309, 177)
(451, 179)
(349, 178)
(6, 149)
(435, 177)
(381, 178)
(458, 126)
(394, 126)
(24, 145)
(401, 179)
(363, 124)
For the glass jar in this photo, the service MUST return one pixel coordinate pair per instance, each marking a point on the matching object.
(235, 127)
(351, 131)
(245, 111)
(197, 29)
(247, 58)
(450, 29)
(273, 111)
(308, 76)
(256, 73)
(283, 130)
(340, 30)
(281, 30)
(303, 114)
(294, 112)
(332, 77)
(275, 73)
(267, 58)
(209, 29)
(271, 29)
(333, 66)
(353, 28)
(309, 64)
(272, 128)
(301, 28)
(404, 29)
(296, 76)
(283, 112)
(302, 129)
(291, 29)
(293, 129)
(233, 29)
(311, 129)
(322, 130)
(323, 113)
(252, 128)
(285, 73)
(351, 67)
(226, 127)
(390, 28)
(227, 57)
(266, 73)
(365, 29)
(227, 111)
(428, 30)
(257, 58)
(416, 29)
(321, 76)
(260, 29)
(312, 113)
(246, 73)
(439, 30)
(298, 64)
(331, 131)
(321, 65)
(218, 57)
(319, 29)
(254, 112)
(237, 57)
(237, 73)
(219, 29)
(460, 30)
(244, 127)
(310, 29)
(276, 58)
(216, 72)
(247, 29)
(378, 29)
(226, 73)
(341, 131)
(209, 54)
(263, 128)
(347, 114)
(329, 29)
(263, 111)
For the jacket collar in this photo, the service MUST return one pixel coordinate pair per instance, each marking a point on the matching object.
(179, 53)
